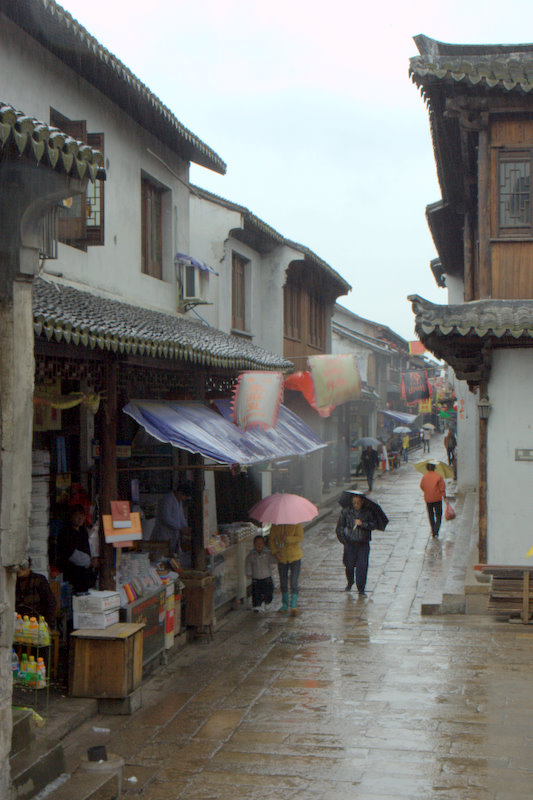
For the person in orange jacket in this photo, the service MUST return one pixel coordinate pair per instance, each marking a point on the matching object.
(434, 488)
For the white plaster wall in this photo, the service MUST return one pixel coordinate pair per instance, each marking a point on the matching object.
(509, 482)
(467, 437)
(33, 81)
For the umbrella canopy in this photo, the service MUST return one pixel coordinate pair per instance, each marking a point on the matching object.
(381, 518)
(283, 509)
(428, 426)
(440, 467)
(401, 429)
(367, 441)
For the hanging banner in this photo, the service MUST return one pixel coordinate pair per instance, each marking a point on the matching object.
(303, 382)
(336, 379)
(256, 399)
(415, 386)
(424, 406)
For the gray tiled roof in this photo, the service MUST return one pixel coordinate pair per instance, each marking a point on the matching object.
(48, 23)
(48, 145)
(480, 317)
(490, 66)
(64, 313)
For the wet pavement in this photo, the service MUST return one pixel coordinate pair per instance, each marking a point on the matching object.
(353, 698)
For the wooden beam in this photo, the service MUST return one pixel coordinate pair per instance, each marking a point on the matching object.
(468, 245)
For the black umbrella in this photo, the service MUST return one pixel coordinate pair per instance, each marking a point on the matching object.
(381, 518)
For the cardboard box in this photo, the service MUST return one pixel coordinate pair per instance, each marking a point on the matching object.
(96, 602)
(100, 621)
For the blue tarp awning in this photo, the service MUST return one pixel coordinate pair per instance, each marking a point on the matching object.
(199, 429)
(400, 416)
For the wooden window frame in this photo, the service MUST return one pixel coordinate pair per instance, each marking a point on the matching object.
(317, 325)
(292, 311)
(509, 155)
(239, 269)
(74, 230)
(151, 229)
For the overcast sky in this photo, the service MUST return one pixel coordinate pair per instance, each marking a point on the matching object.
(311, 107)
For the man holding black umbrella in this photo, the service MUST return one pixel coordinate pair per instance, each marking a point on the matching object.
(358, 518)
(369, 460)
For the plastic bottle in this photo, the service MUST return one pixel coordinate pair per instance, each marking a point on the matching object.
(26, 628)
(15, 666)
(41, 672)
(31, 665)
(18, 626)
(34, 630)
(23, 674)
(43, 633)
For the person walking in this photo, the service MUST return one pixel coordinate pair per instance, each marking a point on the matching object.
(285, 544)
(358, 518)
(369, 460)
(450, 443)
(426, 439)
(434, 488)
(405, 447)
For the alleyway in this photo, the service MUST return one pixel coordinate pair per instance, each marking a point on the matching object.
(355, 698)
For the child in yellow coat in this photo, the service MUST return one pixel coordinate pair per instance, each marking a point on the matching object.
(285, 544)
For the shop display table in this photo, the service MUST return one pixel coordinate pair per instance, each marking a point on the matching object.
(106, 662)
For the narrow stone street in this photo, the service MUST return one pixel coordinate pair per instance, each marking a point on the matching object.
(354, 698)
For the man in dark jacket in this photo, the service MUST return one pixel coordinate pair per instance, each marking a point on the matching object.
(354, 532)
(78, 566)
(34, 597)
(369, 460)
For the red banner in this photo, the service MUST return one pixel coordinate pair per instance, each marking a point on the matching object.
(415, 386)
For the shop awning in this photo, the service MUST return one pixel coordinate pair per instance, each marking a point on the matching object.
(199, 429)
(400, 416)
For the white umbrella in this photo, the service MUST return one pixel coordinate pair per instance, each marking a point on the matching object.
(429, 426)
(401, 429)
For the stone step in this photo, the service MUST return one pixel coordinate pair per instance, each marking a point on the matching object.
(33, 768)
(87, 786)
(23, 730)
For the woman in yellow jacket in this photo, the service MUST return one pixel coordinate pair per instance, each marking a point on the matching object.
(285, 545)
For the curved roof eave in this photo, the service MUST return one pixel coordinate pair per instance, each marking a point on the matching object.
(57, 31)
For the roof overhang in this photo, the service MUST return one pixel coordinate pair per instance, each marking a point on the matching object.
(464, 335)
(447, 232)
(56, 30)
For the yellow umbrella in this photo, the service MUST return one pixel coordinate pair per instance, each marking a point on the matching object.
(440, 467)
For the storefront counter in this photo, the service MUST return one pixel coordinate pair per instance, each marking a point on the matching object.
(150, 611)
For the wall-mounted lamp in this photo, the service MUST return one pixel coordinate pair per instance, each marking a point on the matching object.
(484, 407)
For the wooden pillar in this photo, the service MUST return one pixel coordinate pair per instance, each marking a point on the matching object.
(108, 467)
(485, 277)
(468, 244)
(482, 534)
(197, 517)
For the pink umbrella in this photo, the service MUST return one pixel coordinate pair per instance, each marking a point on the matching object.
(283, 509)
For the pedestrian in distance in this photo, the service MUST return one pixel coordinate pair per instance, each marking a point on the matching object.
(285, 544)
(258, 566)
(426, 439)
(434, 488)
(369, 460)
(405, 447)
(450, 443)
(358, 518)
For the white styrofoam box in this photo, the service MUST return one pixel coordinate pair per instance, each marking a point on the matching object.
(86, 619)
(96, 602)
(37, 547)
(39, 502)
(40, 486)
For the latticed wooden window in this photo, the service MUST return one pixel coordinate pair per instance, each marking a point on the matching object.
(81, 217)
(238, 292)
(514, 192)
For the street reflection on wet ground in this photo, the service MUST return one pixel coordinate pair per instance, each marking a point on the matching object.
(353, 698)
